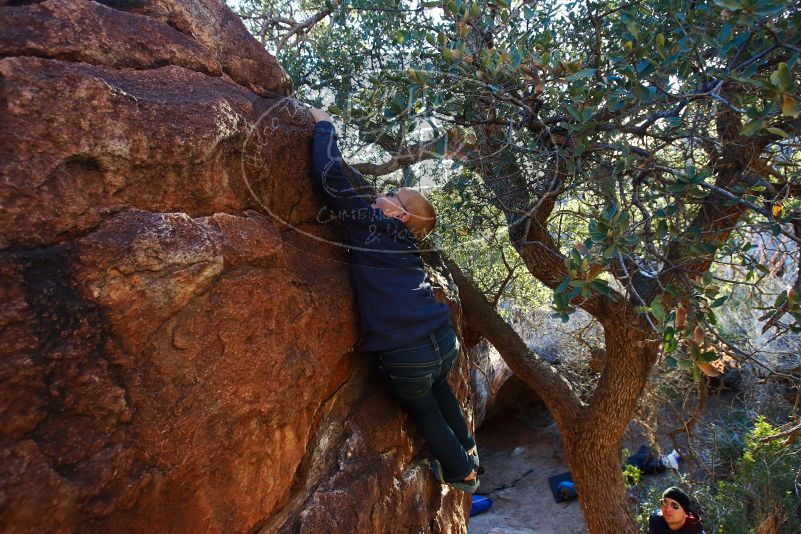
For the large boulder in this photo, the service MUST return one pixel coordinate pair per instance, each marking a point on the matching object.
(178, 339)
(201, 35)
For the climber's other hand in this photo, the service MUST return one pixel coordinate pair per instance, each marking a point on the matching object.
(320, 115)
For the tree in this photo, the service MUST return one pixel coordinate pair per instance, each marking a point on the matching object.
(633, 150)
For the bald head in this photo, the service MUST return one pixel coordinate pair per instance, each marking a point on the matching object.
(422, 216)
(411, 208)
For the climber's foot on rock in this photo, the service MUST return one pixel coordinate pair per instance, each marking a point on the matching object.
(468, 485)
(473, 453)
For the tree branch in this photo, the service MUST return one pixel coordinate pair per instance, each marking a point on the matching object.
(543, 378)
(307, 24)
(409, 156)
(791, 435)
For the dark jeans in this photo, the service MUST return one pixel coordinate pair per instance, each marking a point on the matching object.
(417, 375)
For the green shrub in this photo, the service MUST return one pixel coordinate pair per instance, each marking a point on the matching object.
(631, 476)
(764, 488)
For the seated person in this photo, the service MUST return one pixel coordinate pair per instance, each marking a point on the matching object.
(649, 464)
(675, 515)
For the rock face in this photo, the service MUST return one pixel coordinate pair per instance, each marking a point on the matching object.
(178, 340)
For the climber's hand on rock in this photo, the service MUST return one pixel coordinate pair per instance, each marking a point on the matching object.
(320, 115)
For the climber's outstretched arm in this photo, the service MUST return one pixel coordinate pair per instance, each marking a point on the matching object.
(327, 167)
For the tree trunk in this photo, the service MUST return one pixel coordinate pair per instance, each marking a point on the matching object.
(595, 463)
(590, 432)
(592, 443)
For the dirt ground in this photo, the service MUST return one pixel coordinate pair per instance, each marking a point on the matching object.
(519, 452)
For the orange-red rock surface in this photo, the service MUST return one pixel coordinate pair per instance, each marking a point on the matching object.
(178, 340)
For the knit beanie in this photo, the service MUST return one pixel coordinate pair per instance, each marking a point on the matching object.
(679, 496)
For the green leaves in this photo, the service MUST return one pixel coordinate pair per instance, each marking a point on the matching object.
(418, 76)
(631, 23)
(783, 86)
(660, 45)
(781, 78)
(645, 93)
(752, 127)
(778, 131)
(657, 310)
(661, 229)
(581, 115)
(601, 286)
(583, 73)
(583, 279)
(644, 67)
(708, 356)
(624, 123)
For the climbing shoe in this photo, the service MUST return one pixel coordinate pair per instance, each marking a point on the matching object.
(467, 486)
(473, 453)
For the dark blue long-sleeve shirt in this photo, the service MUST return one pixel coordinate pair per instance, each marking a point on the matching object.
(396, 304)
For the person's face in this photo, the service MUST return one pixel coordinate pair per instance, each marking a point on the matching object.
(393, 203)
(673, 513)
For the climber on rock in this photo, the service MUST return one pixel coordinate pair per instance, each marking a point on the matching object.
(401, 322)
